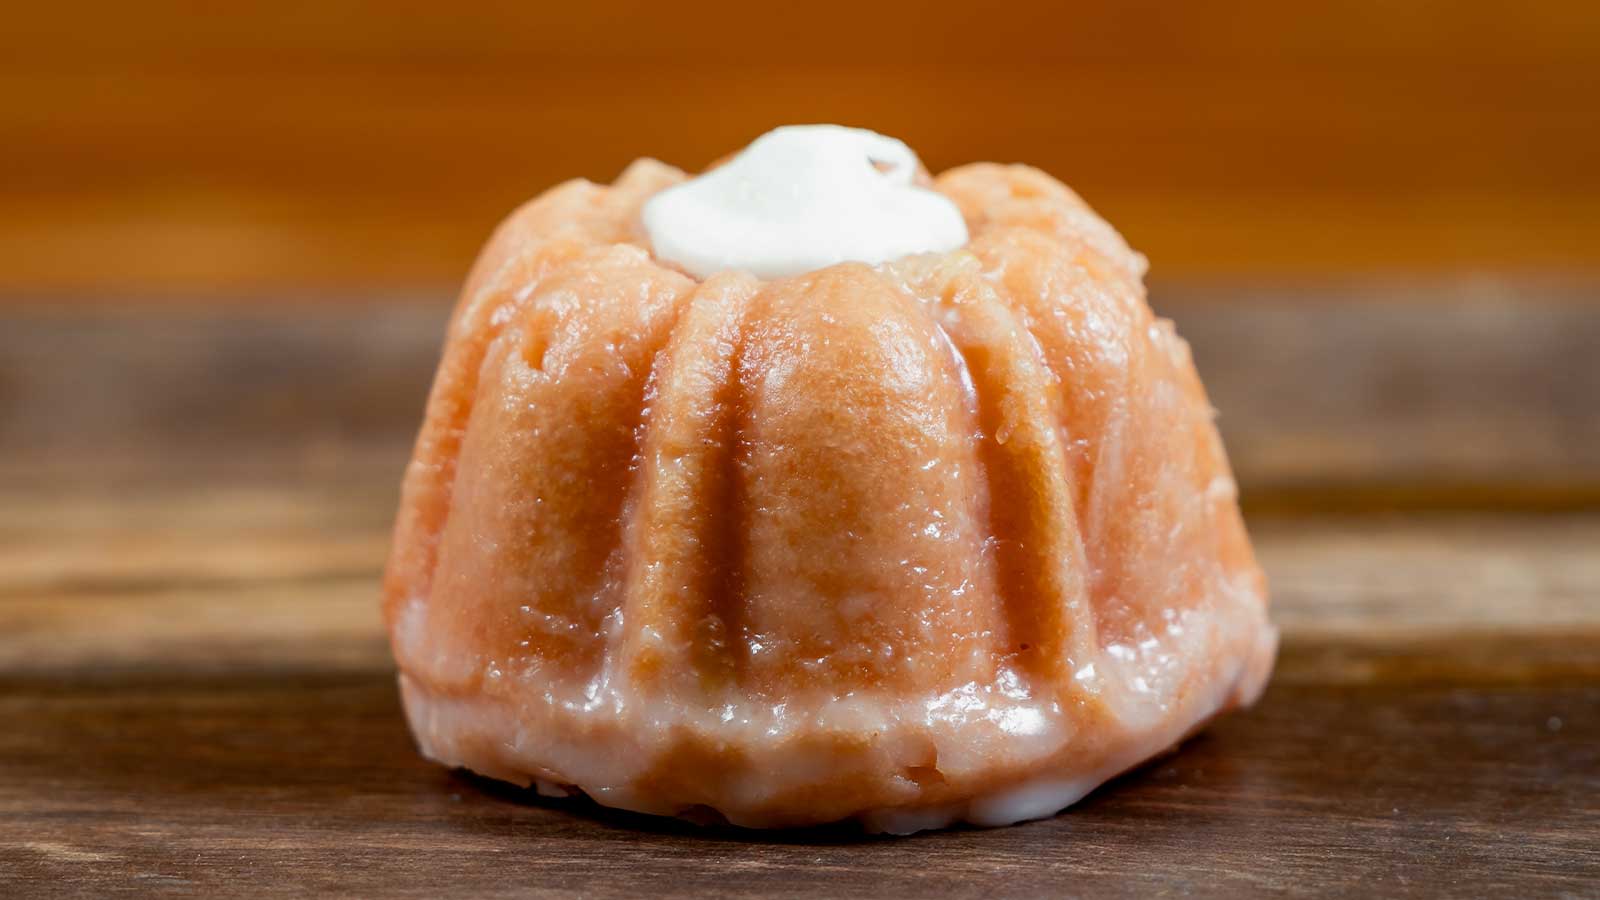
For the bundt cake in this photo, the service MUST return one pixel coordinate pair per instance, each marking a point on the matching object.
(943, 537)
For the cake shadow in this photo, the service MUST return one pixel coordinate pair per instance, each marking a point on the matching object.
(709, 825)
(712, 828)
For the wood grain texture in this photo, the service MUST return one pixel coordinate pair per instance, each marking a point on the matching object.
(196, 695)
(214, 714)
(169, 149)
(270, 578)
(284, 784)
(1354, 395)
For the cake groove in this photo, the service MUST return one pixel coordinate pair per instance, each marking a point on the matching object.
(1036, 545)
(682, 603)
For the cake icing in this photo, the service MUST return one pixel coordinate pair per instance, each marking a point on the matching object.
(801, 198)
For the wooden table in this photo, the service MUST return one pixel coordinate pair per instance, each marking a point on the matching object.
(196, 697)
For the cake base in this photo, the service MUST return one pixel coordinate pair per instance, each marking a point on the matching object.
(820, 777)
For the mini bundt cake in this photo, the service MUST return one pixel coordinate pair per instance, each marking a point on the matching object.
(949, 537)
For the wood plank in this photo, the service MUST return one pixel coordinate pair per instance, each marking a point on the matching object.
(1430, 730)
(282, 786)
(1406, 394)
(1395, 395)
(373, 31)
(197, 698)
(209, 577)
(345, 145)
(165, 242)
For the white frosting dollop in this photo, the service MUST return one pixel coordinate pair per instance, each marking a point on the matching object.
(800, 198)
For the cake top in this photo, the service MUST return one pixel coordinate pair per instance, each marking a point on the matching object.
(800, 198)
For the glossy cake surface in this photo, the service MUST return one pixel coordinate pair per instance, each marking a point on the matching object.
(952, 538)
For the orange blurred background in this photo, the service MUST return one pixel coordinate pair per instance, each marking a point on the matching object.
(175, 149)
